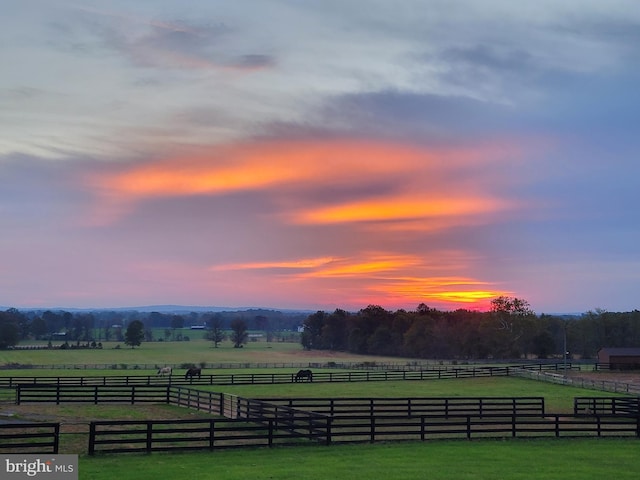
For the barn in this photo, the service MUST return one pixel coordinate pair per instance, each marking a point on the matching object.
(620, 358)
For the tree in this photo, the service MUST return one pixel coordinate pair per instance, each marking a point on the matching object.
(311, 337)
(216, 333)
(177, 322)
(239, 332)
(9, 330)
(38, 328)
(513, 315)
(134, 334)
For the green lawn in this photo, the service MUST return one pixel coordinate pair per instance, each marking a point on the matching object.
(575, 459)
(195, 351)
(558, 398)
(582, 459)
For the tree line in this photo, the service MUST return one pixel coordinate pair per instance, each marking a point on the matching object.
(510, 330)
(85, 327)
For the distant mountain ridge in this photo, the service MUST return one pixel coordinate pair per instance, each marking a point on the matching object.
(163, 309)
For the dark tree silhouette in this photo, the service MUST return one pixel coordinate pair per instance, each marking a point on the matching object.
(239, 333)
(134, 334)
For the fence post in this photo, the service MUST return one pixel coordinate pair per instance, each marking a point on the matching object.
(56, 438)
(95, 395)
(92, 438)
(271, 432)
(468, 427)
(423, 433)
(149, 436)
(212, 434)
(18, 394)
(373, 429)
(557, 425)
(133, 395)
(329, 423)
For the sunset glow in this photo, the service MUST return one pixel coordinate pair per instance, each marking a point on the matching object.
(192, 153)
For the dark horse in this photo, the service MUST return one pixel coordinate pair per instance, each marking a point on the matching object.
(192, 372)
(304, 374)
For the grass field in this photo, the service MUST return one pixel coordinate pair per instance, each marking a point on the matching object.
(446, 460)
(558, 398)
(195, 351)
(510, 459)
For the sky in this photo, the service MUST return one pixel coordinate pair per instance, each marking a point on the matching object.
(320, 155)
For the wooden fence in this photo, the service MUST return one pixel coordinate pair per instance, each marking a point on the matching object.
(579, 382)
(409, 407)
(149, 436)
(29, 437)
(268, 422)
(163, 435)
(97, 394)
(276, 378)
(606, 406)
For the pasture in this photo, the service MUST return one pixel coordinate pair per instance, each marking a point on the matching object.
(509, 459)
(118, 356)
(574, 459)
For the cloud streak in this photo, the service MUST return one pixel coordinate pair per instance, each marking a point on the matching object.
(320, 156)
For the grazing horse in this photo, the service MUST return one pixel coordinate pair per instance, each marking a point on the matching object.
(302, 374)
(192, 372)
(165, 371)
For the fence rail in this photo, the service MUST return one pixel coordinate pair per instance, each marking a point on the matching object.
(268, 422)
(163, 435)
(276, 378)
(551, 377)
(119, 437)
(413, 406)
(29, 437)
(97, 394)
(606, 406)
(366, 365)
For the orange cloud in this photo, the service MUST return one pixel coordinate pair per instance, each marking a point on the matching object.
(400, 208)
(306, 263)
(260, 166)
(276, 167)
(384, 279)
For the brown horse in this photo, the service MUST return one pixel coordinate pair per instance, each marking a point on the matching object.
(192, 372)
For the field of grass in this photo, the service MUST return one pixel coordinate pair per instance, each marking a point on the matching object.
(510, 459)
(175, 353)
(574, 459)
(558, 398)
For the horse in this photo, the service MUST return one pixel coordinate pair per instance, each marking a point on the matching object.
(165, 371)
(192, 372)
(302, 374)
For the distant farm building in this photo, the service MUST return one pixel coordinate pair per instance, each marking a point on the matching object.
(620, 358)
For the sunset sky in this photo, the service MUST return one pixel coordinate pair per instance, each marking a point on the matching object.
(320, 155)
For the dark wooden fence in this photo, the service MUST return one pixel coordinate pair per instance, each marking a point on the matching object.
(29, 437)
(606, 406)
(85, 394)
(141, 436)
(415, 406)
(163, 435)
(268, 422)
(276, 378)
